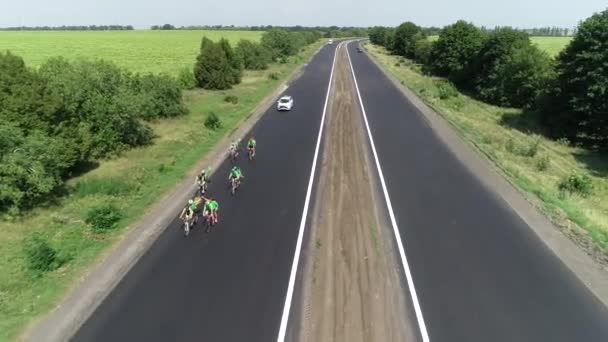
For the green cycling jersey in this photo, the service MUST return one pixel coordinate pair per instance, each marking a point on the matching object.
(236, 173)
(251, 143)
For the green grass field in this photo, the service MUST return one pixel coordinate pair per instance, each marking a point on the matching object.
(131, 182)
(553, 45)
(506, 136)
(142, 51)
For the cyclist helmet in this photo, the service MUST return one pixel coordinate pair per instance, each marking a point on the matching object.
(190, 201)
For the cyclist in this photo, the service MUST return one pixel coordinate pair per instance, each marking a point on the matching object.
(202, 180)
(212, 208)
(235, 175)
(251, 147)
(189, 212)
(234, 150)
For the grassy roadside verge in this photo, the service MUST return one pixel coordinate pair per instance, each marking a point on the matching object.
(534, 164)
(131, 183)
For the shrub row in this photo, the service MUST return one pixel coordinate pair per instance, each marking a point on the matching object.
(219, 66)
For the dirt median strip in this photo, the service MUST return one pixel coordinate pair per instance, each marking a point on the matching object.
(591, 273)
(352, 288)
(93, 287)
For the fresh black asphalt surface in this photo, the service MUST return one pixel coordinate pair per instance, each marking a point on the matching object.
(230, 284)
(480, 273)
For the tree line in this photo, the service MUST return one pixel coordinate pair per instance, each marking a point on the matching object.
(325, 31)
(58, 118)
(220, 66)
(70, 28)
(568, 94)
(550, 32)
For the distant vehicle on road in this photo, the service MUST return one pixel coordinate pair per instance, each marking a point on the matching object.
(359, 49)
(285, 103)
(331, 41)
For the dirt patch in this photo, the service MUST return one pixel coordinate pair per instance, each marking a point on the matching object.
(352, 289)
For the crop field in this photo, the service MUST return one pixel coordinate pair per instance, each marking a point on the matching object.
(140, 51)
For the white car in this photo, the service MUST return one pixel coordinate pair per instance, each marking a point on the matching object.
(285, 103)
(331, 41)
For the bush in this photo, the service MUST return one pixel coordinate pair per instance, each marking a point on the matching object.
(39, 255)
(576, 184)
(273, 76)
(542, 163)
(231, 99)
(213, 70)
(186, 79)
(575, 104)
(279, 43)
(103, 217)
(254, 55)
(422, 50)
(446, 90)
(525, 151)
(397, 64)
(532, 149)
(157, 96)
(66, 114)
(377, 35)
(213, 122)
(452, 53)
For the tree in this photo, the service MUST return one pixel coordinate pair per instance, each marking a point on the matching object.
(521, 76)
(405, 41)
(575, 105)
(279, 42)
(457, 46)
(377, 35)
(234, 61)
(253, 55)
(422, 48)
(212, 69)
(498, 46)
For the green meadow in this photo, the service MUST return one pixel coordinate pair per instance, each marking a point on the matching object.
(139, 51)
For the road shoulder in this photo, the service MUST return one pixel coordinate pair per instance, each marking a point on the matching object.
(591, 273)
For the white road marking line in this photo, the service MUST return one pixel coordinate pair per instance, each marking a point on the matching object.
(296, 259)
(406, 267)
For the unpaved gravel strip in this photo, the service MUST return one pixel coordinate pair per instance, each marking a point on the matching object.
(94, 286)
(353, 290)
(593, 274)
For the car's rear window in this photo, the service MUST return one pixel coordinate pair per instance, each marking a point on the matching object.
(284, 100)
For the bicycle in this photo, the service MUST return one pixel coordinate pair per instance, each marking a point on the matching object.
(233, 155)
(251, 152)
(187, 225)
(234, 185)
(202, 186)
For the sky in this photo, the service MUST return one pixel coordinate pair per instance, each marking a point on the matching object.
(144, 13)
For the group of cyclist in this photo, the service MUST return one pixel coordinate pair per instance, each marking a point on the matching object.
(210, 206)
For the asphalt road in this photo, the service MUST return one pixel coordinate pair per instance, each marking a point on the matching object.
(480, 273)
(230, 284)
